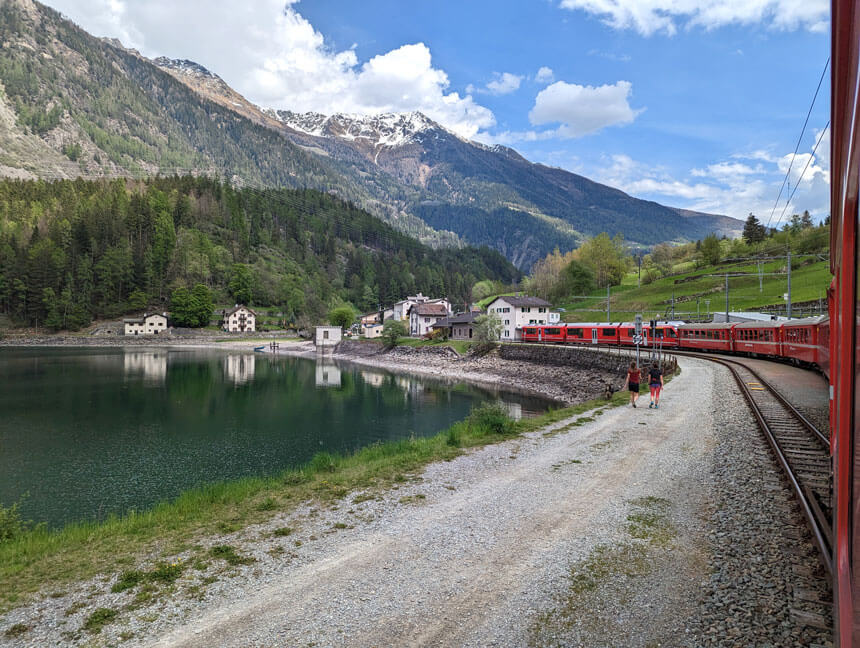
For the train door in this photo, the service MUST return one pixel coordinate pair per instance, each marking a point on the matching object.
(594, 335)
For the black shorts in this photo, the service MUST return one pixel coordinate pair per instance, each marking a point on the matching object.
(634, 387)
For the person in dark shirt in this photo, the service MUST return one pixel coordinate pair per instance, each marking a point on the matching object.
(632, 382)
(655, 380)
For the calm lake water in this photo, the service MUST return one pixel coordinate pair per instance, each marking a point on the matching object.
(89, 432)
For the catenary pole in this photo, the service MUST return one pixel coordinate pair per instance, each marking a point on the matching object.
(788, 304)
(727, 298)
(608, 311)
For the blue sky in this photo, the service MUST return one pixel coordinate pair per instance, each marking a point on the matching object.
(694, 104)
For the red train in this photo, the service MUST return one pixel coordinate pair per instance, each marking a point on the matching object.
(802, 341)
(842, 338)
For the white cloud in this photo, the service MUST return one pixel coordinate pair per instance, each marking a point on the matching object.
(269, 52)
(545, 75)
(652, 16)
(582, 110)
(730, 187)
(504, 83)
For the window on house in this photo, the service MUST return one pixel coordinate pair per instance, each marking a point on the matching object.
(325, 335)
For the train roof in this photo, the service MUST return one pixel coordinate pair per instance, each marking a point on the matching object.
(708, 325)
(806, 321)
(754, 325)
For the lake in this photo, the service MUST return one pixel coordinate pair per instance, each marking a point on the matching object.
(89, 432)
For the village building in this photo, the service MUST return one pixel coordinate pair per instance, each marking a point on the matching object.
(239, 319)
(515, 312)
(400, 311)
(147, 325)
(423, 316)
(372, 331)
(460, 326)
(327, 336)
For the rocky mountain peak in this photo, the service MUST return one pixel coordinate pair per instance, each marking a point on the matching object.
(185, 67)
(383, 129)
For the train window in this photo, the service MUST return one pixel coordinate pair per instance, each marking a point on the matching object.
(552, 331)
(574, 332)
(607, 331)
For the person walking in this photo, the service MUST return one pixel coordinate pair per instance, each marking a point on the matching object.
(655, 380)
(632, 382)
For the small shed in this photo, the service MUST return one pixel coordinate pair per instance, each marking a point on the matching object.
(327, 336)
(373, 331)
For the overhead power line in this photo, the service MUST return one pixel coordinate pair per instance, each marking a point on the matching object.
(799, 139)
(802, 173)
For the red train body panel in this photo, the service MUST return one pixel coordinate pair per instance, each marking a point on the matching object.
(800, 340)
(708, 337)
(759, 338)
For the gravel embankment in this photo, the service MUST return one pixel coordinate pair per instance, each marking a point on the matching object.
(766, 580)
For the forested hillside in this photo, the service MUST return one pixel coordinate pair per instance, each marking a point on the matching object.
(74, 250)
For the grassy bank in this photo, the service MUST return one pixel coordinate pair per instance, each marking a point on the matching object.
(39, 559)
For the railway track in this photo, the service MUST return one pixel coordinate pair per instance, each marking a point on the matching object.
(800, 448)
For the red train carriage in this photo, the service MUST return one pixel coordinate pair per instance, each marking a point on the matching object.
(592, 333)
(758, 338)
(800, 340)
(665, 333)
(548, 334)
(709, 337)
(823, 351)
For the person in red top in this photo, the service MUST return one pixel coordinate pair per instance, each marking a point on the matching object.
(632, 382)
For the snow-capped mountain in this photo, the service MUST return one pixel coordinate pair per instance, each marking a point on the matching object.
(385, 129)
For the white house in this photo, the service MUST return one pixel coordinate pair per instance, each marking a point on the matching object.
(239, 319)
(422, 317)
(554, 317)
(146, 325)
(517, 312)
(327, 336)
(400, 311)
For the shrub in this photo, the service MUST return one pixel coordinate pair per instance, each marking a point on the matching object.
(490, 418)
(488, 329)
(11, 523)
(392, 331)
(323, 462)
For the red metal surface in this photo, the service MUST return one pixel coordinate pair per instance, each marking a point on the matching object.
(845, 168)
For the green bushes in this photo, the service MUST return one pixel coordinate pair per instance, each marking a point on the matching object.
(12, 525)
(490, 419)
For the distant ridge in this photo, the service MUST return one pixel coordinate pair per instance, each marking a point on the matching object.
(75, 105)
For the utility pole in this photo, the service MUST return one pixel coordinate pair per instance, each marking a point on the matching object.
(640, 271)
(708, 309)
(727, 297)
(697, 308)
(608, 311)
(673, 302)
(759, 277)
(788, 304)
